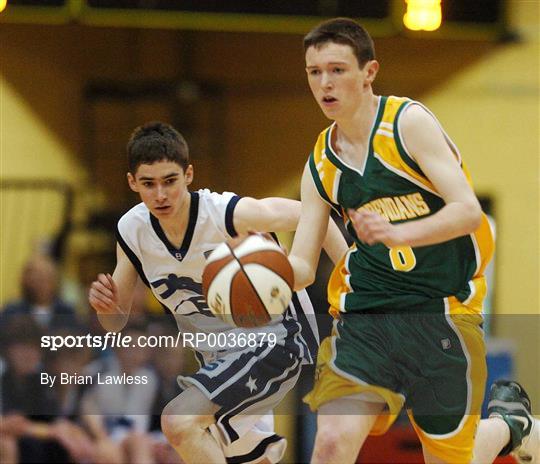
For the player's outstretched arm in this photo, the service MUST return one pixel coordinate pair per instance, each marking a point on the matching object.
(111, 296)
(309, 237)
(276, 214)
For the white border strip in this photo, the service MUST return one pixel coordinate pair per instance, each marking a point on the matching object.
(385, 133)
(335, 187)
(477, 256)
(473, 292)
(404, 174)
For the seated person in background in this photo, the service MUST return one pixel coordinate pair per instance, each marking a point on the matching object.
(24, 402)
(40, 295)
(168, 363)
(118, 414)
(67, 428)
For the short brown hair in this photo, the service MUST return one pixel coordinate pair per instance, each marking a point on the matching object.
(156, 141)
(343, 31)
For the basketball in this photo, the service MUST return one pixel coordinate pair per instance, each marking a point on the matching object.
(248, 281)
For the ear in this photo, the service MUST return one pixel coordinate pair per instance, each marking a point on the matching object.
(188, 175)
(132, 183)
(371, 68)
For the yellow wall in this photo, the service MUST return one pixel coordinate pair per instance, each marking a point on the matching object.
(492, 113)
(28, 150)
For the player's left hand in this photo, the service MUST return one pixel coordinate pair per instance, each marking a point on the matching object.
(372, 228)
(267, 236)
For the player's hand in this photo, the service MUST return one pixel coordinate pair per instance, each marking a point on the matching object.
(268, 236)
(265, 235)
(372, 228)
(103, 295)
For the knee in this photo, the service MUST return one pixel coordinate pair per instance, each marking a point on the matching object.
(339, 438)
(177, 427)
(328, 439)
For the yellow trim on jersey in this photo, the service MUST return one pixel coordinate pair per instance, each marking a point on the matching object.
(486, 244)
(329, 174)
(338, 284)
(458, 449)
(458, 446)
(330, 385)
(385, 147)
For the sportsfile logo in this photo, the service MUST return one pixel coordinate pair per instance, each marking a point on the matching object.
(109, 340)
(198, 340)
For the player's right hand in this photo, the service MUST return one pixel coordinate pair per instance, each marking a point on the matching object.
(103, 295)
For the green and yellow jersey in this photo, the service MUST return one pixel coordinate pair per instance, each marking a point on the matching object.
(392, 184)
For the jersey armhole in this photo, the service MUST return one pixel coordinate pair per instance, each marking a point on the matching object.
(132, 257)
(402, 148)
(400, 143)
(229, 215)
(319, 186)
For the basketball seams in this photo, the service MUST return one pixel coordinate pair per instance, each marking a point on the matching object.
(212, 269)
(230, 245)
(248, 279)
(273, 261)
(254, 312)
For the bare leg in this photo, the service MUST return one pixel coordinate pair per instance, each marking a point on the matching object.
(185, 421)
(342, 427)
(492, 436)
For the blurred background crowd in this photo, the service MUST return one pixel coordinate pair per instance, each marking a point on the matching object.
(81, 421)
(76, 76)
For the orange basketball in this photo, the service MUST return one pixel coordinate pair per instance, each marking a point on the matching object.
(248, 281)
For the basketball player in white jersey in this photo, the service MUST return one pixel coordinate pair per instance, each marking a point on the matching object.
(224, 412)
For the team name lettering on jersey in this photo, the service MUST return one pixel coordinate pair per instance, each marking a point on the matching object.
(400, 207)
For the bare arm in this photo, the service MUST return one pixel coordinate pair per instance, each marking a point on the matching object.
(334, 243)
(461, 214)
(309, 236)
(282, 215)
(111, 296)
(271, 214)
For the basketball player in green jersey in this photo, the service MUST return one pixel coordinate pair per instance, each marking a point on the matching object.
(407, 296)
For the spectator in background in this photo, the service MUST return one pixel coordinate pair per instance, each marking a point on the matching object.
(40, 296)
(118, 415)
(38, 422)
(168, 363)
(67, 428)
(25, 403)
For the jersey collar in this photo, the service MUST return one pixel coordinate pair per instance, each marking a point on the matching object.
(179, 253)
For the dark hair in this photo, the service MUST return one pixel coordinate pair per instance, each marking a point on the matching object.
(156, 141)
(343, 31)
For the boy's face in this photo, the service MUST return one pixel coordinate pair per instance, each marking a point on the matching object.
(162, 186)
(336, 80)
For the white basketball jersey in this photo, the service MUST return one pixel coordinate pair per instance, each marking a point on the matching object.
(175, 274)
